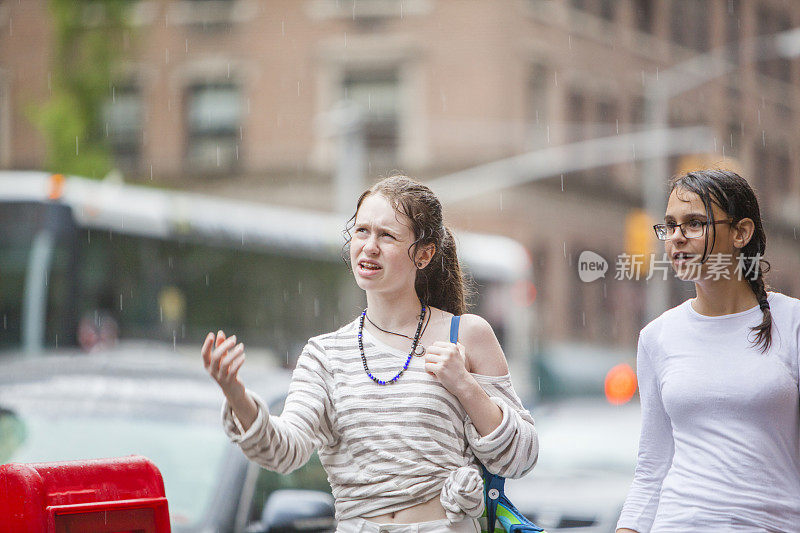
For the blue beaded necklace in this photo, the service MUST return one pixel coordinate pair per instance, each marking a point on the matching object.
(414, 343)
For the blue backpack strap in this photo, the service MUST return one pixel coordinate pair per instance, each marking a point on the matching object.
(454, 329)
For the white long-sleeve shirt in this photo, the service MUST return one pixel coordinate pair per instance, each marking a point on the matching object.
(386, 448)
(720, 442)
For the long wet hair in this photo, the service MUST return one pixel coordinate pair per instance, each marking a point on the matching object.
(734, 195)
(442, 282)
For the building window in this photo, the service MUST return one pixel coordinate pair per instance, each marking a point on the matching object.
(576, 114)
(607, 117)
(214, 114)
(606, 10)
(771, 21)
(378, 95)
(689, 24)
(122, 116)
(537, 103)
(643, 14)
(733, 27)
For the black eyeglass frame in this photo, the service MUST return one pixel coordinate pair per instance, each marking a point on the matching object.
(680, 226)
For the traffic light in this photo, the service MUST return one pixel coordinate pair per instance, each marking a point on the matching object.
(639, 243)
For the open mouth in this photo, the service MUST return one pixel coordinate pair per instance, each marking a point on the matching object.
(369, 266)
(682, 257)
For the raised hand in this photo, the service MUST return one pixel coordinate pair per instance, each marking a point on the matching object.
(223, 358)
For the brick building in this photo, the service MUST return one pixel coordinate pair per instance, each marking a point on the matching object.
(231, 97)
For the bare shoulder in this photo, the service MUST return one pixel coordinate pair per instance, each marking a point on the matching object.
(483, 351)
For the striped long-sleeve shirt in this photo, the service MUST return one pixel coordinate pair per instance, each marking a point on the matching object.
(386, 448)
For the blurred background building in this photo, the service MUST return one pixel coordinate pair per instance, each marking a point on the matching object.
(233, 98)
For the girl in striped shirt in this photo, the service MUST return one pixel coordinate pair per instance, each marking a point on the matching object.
(399, 415)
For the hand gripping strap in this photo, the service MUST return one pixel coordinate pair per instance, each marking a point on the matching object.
(498, 507)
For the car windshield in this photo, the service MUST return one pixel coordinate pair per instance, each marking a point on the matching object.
(187, 453)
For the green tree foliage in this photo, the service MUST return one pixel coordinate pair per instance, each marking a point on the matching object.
(88, 38)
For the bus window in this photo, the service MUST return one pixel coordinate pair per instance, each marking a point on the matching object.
(36, 257)
(176, 291)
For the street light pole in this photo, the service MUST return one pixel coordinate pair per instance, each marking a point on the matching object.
(683, 77)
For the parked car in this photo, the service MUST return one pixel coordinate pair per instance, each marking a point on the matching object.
(586, 462)
(148, 400)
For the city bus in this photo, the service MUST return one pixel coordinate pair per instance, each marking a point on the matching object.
(81, 259)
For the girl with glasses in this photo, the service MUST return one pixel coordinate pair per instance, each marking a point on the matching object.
(400, 415)
(718, 376)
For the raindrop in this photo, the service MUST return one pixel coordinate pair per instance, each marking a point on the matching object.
(161, 313)
(565, 249)
(56, 340)
(617, 126)
(89, 236)
(298, 87)
(555, 78)
(120, 301)
(763, 138)
(569, 41)
(345, 39)
(583, 318)
(316, 307)
(285, 296)
(169, 261)
(299, 287)
(283, 28)
(562, 190)
(174, 341)
(656, 73)
(76, 145)
(715, 144)
(186, 46)
(206, 279)
(501, 201)
(548, 134)
(151, 172)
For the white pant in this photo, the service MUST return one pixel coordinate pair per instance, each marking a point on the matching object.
(359, 525)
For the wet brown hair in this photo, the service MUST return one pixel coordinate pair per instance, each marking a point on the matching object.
(441, 283)
(736, 197)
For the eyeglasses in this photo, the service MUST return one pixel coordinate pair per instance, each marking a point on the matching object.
(692, 229)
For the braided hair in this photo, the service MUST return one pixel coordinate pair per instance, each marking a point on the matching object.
(736, 197)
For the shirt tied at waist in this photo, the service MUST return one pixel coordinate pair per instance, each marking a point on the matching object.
(462, 493)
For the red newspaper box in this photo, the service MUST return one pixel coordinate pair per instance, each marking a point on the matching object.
(120, 495)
